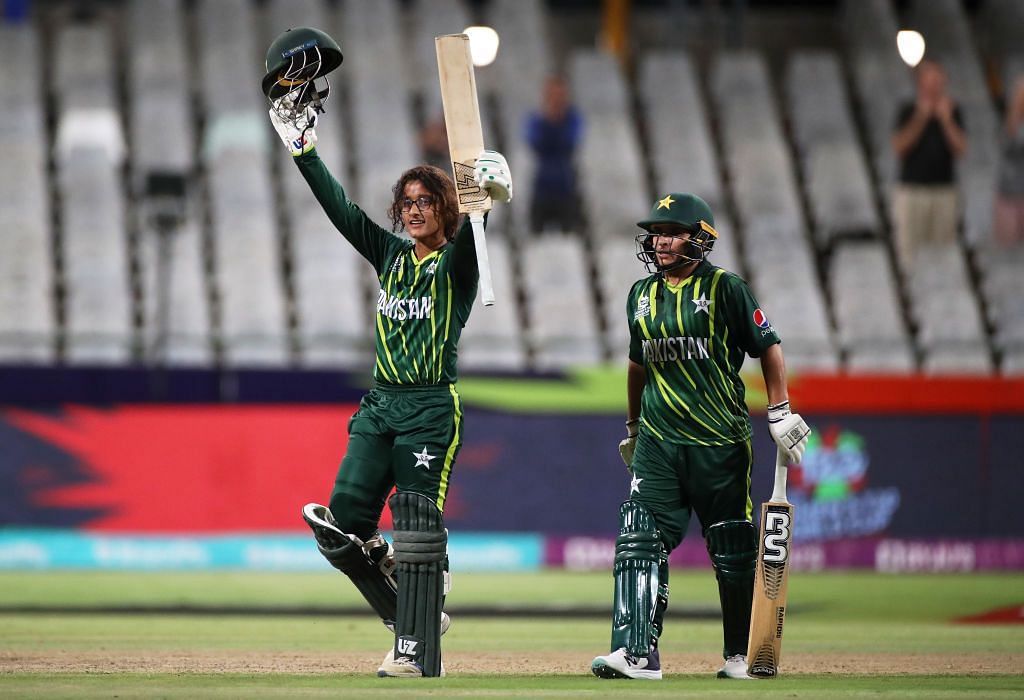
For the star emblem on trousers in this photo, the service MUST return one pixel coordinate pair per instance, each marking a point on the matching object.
(702, 304)
(634, 485)
(423, 459)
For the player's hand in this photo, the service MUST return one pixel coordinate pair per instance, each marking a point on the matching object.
(628, 446)
(492, 173)
(789, 431)
(297, 140)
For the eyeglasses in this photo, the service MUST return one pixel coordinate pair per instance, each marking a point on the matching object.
(422, 202)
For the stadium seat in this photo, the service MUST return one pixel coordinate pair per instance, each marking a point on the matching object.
(493, 338)
(682, 149)
(609, 159)
(560, 306)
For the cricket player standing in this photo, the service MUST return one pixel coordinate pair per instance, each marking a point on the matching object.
(688, 434)
(407, 431)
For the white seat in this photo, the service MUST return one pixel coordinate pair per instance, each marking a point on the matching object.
(563, 321)
(682, 149)
(609, 159)
(493, 338)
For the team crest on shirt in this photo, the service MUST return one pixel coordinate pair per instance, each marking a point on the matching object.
(431, 268)
(643, 308)
(702, 304)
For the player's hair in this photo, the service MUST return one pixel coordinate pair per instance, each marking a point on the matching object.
(438, 184)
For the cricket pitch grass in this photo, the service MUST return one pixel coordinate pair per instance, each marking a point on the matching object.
(244, 635)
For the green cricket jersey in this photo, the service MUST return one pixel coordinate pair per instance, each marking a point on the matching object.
(691, 339)
(423, 305)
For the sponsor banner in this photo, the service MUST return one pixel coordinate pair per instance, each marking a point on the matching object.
(67, 549)
(180, 470)
(885, 555)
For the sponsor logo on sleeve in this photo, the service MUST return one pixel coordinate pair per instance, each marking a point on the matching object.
(762, 322)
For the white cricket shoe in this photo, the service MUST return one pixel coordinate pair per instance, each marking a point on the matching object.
(621, 664)
(390, 668)
(735, 667)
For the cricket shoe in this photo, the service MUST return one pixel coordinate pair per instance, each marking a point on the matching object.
(325, 529)
(735, 667)
(621, 664)
(402, 667)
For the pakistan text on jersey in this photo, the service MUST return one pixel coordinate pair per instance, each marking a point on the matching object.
(674, 349)
(401, 309)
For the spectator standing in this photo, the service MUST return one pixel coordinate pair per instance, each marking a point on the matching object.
(553, 133)
(929, 137)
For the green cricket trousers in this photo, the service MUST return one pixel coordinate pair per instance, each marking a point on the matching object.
(406, 437)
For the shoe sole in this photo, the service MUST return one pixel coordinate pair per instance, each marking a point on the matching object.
(326, 535)
(381, 673)
(723, 674)
(603, 670)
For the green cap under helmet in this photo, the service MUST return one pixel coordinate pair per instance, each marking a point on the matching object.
(678, 210)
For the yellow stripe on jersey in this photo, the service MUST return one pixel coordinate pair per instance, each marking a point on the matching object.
(434, 354)
(663, 386)
(654, 299)
(383, 372)
(714, 288)
(690, 411)
(725, 336)
(447, 324)
(711, 340)
(449, 457)
(750, 464)
(651, 428)
(382, 335)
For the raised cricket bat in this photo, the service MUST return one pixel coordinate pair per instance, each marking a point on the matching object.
(771, 580)
(465, 141)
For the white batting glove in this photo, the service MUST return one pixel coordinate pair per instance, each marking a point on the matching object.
(789, 431)
(492, 173)
(297, 140)
(628, 446)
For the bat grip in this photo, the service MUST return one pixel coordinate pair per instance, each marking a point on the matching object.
(482, 261)
(781, 465)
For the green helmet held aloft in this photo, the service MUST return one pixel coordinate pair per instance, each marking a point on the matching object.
(677, 214)
(298, 56)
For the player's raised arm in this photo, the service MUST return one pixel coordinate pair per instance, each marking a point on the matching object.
(296, 86)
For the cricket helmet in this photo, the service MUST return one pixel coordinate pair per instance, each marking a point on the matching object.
(297, 64)
(673, 215)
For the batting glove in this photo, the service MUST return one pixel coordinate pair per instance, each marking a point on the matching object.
(628, 446)
(297, 140)
(492, 174)
(789, 431)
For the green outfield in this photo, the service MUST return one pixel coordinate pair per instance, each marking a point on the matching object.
(846, 636)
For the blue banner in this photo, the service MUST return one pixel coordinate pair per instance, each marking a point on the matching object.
(66, 549)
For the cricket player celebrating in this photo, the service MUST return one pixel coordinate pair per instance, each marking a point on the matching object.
(408, 429)
(688, 434)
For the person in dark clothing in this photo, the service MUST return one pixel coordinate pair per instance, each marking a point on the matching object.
(553, 133)
(929, 137)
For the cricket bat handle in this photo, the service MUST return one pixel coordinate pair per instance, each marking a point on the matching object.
(781, 470)
(482, 261)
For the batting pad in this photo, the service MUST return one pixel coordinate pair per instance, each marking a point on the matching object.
(732, 545)
(638, 554)
(421, 547)
(347, 556)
